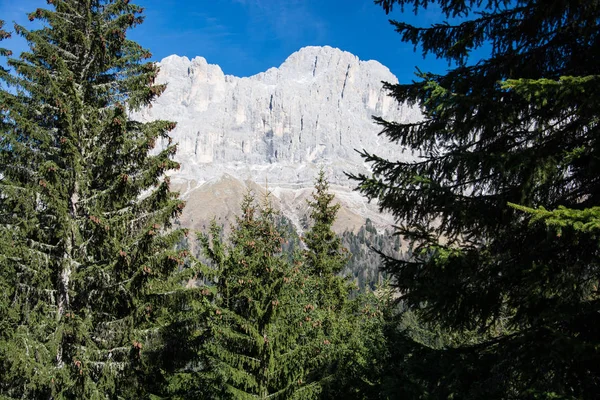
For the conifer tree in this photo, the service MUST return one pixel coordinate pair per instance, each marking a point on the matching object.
(265, 334)
(324, 259)
(325, 256)
(354, 327)
(366, 366)
(502, 205)
(5, 244)
(85, 209)
(4, 52)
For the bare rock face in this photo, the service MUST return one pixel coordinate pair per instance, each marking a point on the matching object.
(279, 126)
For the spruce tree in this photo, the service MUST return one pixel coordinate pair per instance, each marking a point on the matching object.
(502, 204)
(264, 332)
(350, 368)
(85, 207)
(325, 256)
(4, 52)
(5, 244)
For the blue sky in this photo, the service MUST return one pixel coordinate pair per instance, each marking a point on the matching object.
(249, 36)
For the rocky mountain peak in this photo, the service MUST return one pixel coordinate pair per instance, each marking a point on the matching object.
(280, 125)
(317, 63)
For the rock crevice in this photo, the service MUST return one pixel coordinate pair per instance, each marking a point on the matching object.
(285, 117)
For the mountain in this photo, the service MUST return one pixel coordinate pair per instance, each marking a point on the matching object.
(276, 129)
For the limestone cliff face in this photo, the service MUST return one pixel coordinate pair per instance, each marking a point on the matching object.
(281, 125)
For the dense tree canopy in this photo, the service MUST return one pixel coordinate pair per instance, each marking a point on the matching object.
(86, 245)
(501, 205)
(265, 321)
(265, 328)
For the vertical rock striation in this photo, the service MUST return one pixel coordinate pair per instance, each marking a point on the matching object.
(281, 125)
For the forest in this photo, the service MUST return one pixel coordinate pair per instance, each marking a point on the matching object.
(496, 297)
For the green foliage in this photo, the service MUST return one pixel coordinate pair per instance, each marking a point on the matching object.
(325, 256)
(355, 328)
(366, 247)
(364, 360)
(268, 320)
(586, 220)
(4, 52)
(501, 142)
(265, 333)
(87, 251)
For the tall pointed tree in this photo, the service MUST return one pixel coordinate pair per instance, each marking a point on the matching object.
(325, 256)
(5, 243)
(85, 208)
(265, 333)
(353, 327)
(502, 206)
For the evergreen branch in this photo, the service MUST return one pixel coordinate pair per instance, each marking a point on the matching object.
(583, 220)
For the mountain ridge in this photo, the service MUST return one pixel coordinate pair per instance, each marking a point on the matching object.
(280, 126)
